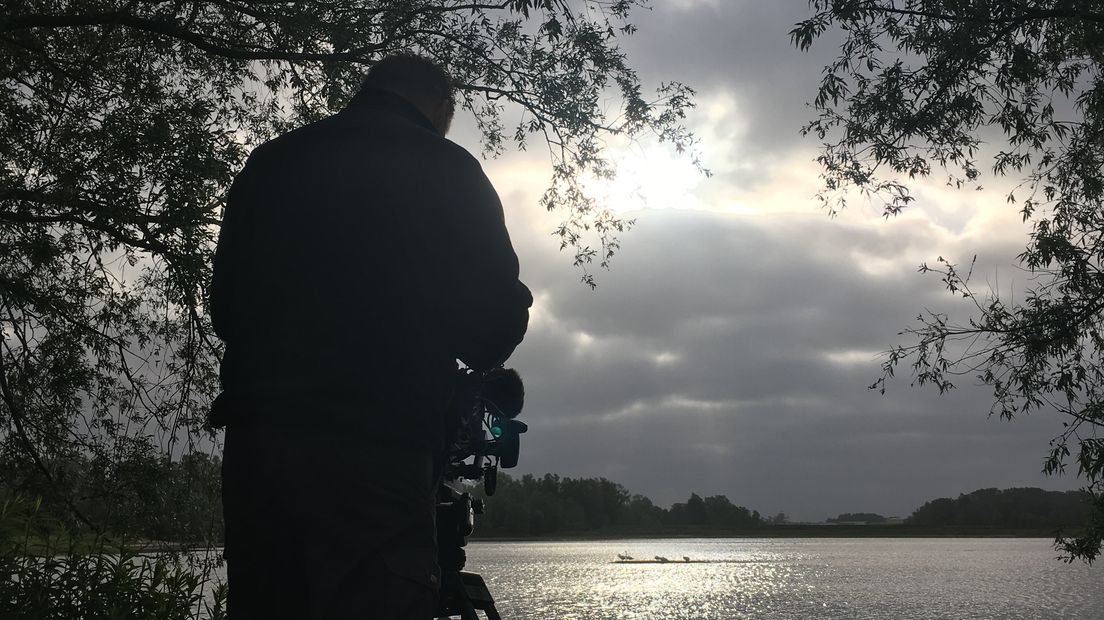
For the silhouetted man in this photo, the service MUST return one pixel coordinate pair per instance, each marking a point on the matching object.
(360, 257)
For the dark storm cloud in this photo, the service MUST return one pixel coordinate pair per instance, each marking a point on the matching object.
(735, 47)
(731, 355)
(741, 49)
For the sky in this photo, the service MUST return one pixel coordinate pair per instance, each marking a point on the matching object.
(728, 349)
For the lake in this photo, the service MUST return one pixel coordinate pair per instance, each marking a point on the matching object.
(788, 578)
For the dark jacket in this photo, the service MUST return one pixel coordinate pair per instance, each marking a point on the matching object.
(359, 257)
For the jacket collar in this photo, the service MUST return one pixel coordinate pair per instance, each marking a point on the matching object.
(376, 99)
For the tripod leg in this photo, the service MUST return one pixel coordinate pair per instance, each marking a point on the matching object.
(467, 611)
(454, 598)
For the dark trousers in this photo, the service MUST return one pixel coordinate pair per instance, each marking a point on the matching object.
(321, 524)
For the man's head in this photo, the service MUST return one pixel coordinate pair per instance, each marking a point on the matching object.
(418, 80)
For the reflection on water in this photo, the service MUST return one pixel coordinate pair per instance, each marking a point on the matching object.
(788, 578)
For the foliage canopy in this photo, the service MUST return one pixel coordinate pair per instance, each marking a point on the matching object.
(921, 86)
(123, 123)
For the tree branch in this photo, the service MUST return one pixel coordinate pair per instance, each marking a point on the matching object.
(173, 30)
(18, 417)
(1027, 14)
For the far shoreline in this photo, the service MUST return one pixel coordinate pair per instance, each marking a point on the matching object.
(789, 531)
(792, 531)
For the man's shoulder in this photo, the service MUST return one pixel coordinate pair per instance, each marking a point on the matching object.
(377, 130)
(295, 138)
(357, 136)
(458, 155)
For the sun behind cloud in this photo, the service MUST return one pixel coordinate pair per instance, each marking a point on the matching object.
(648, 177)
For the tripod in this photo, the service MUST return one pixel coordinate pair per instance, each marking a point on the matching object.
(462, 593)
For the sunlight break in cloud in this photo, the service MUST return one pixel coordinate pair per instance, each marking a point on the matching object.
(850, 357)
(648, 177)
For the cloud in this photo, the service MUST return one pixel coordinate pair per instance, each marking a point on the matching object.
(737, 48)
(729, 349)
(731, 354)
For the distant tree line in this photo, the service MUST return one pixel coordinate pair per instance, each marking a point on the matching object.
(1024, 508)
(551, 505)
(858, 517)
(140, 495)
(147, 496)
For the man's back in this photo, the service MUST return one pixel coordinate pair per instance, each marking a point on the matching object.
(360, 256)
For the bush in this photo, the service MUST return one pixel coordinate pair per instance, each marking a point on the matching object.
(47, 572)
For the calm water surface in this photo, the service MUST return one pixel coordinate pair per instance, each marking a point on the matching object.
(788, 578)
